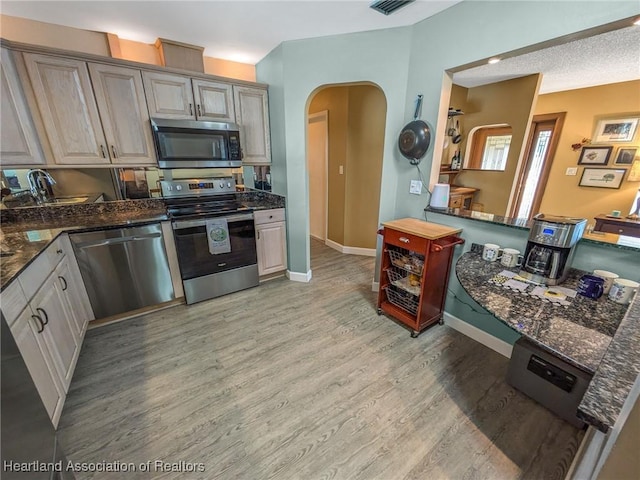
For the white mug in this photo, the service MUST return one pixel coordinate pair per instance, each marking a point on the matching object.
(608, 278)
(623, 290)
(491, 252)
(511, 258)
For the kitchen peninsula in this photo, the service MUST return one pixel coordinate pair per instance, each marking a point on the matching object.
(598, 337)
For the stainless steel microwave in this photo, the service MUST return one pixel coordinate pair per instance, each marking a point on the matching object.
(194, 144)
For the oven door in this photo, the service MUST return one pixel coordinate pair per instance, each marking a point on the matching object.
(193, 248)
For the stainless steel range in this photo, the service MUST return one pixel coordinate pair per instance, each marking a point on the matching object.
(214, 234)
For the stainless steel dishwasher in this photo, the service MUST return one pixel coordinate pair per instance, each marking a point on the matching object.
(124, 269)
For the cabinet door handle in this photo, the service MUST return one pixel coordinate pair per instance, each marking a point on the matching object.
(258, 232)
(64, 280)
(104, 154)
(113, 150)
(190, 109)
(44, 314)
(59, 251)
(41, 328)
(404, 239)
(199, 111)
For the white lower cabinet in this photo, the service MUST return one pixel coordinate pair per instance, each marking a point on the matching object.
(48, 314)
(271, 240)
(72, 290)
(59, 334)
(27, 332)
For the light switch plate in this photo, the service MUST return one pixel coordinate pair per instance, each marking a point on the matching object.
(571, 171)
(416, 187)
(341, 170)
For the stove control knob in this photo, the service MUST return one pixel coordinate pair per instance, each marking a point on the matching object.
(170, 187)
(221, 184)
(228, 184)
(178, 187)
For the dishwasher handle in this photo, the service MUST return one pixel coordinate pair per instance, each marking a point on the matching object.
(118, 241)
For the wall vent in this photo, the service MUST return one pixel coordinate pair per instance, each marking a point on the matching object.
(389, 6)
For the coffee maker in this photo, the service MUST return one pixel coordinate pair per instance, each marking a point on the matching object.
(550, 249)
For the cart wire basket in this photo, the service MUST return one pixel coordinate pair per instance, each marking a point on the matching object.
(402, 299)
(409, 261)
(403, 279)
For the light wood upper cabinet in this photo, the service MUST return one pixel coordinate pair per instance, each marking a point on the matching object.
(252, 114)
(169, 96)
(66, 103)
(179, 97)
(123, 110)
(214, 101)
(19, 143)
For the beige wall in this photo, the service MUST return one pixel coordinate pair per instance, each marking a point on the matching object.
(67, 38)
(335, 100)
(624, 462)
(55, 36)
(509, 102)
(356, 134)
(563, 195)
(367, 114)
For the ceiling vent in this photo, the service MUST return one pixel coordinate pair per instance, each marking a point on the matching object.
(389, 6)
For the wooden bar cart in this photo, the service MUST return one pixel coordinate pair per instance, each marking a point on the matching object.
(414, 271)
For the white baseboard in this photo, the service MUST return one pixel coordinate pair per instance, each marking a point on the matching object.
(299, 277)
(500, 346)
(367, 252)
(375, 286)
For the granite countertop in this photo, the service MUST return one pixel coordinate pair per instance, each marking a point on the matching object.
(610, 386)
(26, 232)
(579, 333)
(600, 337)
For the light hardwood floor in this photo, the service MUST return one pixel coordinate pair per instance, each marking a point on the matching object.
(304, 381)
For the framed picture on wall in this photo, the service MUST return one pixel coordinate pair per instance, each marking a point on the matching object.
(634, 172)
(615, 130)
(594, 155)
(625, 155)
(602, 177)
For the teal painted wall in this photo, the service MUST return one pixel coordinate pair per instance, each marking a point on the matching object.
(405, 62)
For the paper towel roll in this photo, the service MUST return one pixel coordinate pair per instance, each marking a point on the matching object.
(440, 196)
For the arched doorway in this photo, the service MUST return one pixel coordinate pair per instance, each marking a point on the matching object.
(345, 140)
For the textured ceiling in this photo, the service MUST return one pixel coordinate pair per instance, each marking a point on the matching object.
(606, 58)
(239, 30)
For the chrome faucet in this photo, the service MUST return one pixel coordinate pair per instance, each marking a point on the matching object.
(40, 183)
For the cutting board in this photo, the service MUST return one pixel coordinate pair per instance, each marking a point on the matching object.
(421, 228)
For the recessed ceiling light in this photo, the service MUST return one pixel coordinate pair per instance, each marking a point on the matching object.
(493, 60)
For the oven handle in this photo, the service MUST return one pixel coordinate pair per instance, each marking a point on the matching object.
(180, 224)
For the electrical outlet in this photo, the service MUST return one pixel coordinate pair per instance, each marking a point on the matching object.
(341, 170)
(571, 171)
(416, 187)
